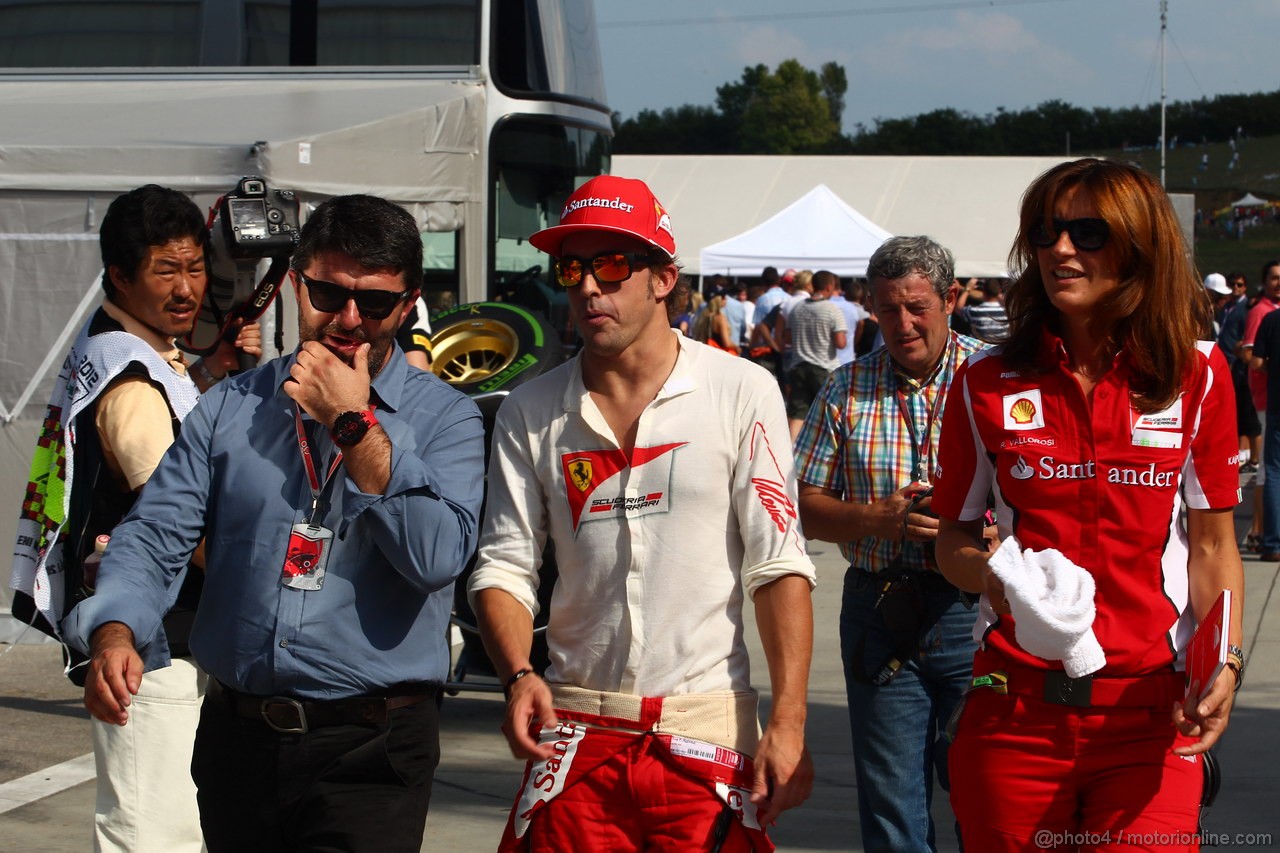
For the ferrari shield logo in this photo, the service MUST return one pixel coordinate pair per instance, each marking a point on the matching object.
(580, 473)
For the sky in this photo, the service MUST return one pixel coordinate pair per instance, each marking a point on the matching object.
(905, 57)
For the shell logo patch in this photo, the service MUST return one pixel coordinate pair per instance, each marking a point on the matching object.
(1023, 411)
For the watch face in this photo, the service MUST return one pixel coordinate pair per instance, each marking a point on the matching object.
(350, 427)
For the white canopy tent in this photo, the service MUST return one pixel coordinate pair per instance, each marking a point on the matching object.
(818, 231)
(968, 204)
(1249, 200)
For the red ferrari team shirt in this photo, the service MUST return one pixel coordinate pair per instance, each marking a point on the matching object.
(1099, 481)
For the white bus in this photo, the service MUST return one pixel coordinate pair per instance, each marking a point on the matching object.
(480, 116)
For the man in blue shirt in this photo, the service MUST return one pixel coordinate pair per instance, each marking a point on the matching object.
(736, 311)
(337, 494)
(775, 293)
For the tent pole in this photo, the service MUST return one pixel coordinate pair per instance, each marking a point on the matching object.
(92, 295)
(1164, 18)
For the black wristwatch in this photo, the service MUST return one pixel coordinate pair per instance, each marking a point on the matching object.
(350, 427)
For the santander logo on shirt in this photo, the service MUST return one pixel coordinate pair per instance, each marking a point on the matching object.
(1049, 468)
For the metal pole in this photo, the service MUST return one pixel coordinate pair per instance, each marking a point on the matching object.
(1164, 17)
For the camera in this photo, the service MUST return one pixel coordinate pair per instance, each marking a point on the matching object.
(259, 222)
(248, 225)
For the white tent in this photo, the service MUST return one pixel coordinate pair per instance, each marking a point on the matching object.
(818, 231)
(968, 204)
(1249, 200)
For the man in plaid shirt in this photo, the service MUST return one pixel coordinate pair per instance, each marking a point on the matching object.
(863, 459)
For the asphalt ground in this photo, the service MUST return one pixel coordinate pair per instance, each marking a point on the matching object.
(45, 746)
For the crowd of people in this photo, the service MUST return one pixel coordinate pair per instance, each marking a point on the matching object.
(263, 644)
(837, 324)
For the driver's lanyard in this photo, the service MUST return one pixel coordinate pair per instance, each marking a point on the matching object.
(319, 491)
(922, 445)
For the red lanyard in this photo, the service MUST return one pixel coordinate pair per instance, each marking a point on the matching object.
(318, 490)
(923, 447)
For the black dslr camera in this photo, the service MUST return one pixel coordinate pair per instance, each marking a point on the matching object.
(259, 222)
(251, 224)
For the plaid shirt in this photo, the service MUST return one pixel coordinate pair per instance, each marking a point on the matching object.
(856, 443)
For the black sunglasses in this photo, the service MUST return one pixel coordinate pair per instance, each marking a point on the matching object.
(1088, 234)
(331, 298)
(607, 267)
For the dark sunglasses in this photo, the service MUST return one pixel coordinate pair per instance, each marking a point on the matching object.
(331, 298)
(607, 267)
(1087, 235)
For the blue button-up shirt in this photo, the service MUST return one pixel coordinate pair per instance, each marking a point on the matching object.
(236, 477)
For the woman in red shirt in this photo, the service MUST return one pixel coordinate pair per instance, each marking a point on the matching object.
(1098, 422)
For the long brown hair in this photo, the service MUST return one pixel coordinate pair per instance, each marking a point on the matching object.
(1160, 309)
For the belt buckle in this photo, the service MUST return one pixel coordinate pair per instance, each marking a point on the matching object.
(1059, 689)
(269, 707)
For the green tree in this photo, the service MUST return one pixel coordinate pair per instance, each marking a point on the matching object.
(788, 111)
(784, 112)
(834, 85)
(793, 110)
(686, 129)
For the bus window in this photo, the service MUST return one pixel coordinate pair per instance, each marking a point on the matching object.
(369, 32)
(251, 33)
(440, 270)
(536, 163)
(548, 48)
(105, 33)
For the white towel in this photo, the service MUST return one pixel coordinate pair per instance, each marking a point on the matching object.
(1051, 599)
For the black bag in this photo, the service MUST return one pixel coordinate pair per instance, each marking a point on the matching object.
(900, 615)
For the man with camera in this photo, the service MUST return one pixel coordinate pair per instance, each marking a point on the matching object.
(123, 392)
(337, 494)
(864, 457)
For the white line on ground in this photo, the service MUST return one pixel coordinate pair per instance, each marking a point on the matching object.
(46, 782)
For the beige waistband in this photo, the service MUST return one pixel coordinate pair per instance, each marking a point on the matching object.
(726, 719)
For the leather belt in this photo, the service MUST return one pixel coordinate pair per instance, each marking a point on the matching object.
(288, 715)
(1157, 690)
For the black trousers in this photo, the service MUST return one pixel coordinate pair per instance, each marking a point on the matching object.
(337, 788)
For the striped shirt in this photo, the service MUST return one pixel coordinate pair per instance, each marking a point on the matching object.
(814, 324)
(856, 442)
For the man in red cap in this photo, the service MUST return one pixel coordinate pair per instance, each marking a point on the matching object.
(662, 471)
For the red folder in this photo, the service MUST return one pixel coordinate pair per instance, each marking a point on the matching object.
(1207, 654)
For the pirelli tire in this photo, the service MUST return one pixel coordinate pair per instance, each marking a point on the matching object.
(482, 347)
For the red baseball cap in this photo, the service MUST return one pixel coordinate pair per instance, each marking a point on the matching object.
(609, 203)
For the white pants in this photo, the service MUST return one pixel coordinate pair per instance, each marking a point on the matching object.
(146, 799)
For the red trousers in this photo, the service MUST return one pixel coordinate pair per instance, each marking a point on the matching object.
(1030, 775)
(619, 791)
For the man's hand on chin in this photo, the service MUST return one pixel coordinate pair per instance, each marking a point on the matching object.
(325, 386)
